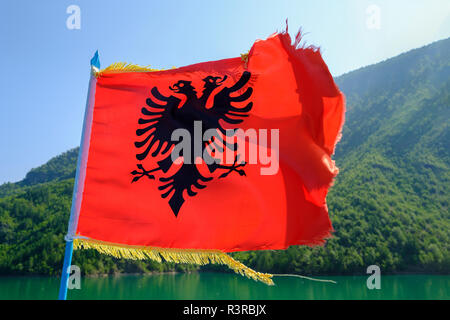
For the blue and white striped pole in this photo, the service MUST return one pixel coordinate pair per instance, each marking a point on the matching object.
(79, 179)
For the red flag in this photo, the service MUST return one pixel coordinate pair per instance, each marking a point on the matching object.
(148, 195)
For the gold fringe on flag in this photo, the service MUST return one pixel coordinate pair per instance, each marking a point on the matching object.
(120, 67)
(192, 256)
(244, 58)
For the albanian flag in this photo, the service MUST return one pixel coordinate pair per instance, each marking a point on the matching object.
(190, 163)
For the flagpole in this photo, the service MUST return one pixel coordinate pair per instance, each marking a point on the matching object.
(66, 271)
(79, 181)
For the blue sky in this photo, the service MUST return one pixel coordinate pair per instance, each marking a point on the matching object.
(45, 65)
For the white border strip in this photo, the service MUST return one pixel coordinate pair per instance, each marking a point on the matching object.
(83, 154)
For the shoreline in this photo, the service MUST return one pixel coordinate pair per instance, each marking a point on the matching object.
(155, 273)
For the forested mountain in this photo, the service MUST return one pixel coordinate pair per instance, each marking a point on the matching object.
(389, 204)
(58, 168)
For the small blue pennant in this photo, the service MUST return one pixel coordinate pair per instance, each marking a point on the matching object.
(95, 61)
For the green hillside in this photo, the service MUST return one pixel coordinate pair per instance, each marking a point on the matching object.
(58, 168)
(389, 204)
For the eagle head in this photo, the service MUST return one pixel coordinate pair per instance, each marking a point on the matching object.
(213, 82)
(183, 87)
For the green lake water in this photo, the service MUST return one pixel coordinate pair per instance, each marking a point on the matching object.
(227, 286)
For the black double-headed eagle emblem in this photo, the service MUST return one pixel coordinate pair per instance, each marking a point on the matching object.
(163, 115)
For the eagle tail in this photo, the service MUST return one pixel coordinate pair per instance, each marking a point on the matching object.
(176, 201)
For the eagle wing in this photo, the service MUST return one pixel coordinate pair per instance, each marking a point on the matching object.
(223, 107)
(158, 124)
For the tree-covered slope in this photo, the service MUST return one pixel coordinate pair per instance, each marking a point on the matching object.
(59, 168)
(389, 204)
(390, 201)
